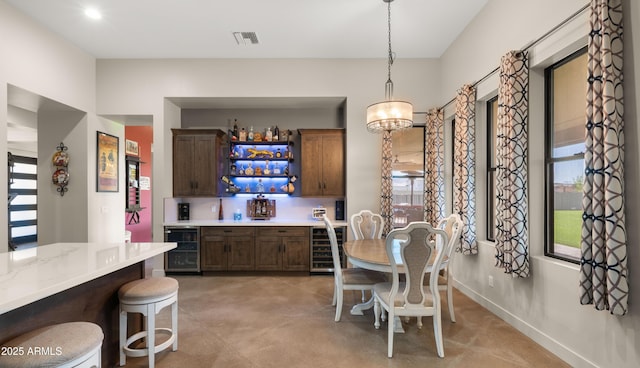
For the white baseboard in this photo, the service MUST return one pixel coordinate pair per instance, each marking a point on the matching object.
(549, 343)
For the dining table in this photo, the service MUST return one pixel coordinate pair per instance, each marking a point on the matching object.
(371, 254)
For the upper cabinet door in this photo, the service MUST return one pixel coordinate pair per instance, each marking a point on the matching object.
(196, 162)
(323, 167)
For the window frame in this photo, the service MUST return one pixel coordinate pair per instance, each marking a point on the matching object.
(550, 160)
(491, 169)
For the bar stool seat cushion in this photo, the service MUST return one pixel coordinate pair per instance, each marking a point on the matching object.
(148, 290)
(57, 344)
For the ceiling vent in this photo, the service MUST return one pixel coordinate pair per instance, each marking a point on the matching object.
(246, 38)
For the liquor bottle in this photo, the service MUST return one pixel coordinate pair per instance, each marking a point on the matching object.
(220, 212)
(276, 134)
(243, 135)
(268, 135)
(250, 136)
(235, 129)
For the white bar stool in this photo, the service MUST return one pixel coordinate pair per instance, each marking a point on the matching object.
(148, 296)
(65, 345)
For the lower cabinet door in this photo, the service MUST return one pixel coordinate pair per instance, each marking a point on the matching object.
(241, 253)
(268, 253)
(213, 255)
(295, 255)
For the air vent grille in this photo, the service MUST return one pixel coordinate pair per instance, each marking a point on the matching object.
(246, 38)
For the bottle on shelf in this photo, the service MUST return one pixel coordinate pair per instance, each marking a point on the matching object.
(242, 135)
(276, 134)
(268, 135)
(250, 136)
(235, 129)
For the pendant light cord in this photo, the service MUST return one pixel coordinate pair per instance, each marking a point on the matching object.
(388, 87)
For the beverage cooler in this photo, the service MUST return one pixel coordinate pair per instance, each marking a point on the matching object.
(186, 256)
(321, 258)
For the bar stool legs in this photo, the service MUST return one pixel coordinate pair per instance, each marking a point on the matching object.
(148, 297)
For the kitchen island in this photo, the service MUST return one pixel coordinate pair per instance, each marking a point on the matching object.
(66, 282)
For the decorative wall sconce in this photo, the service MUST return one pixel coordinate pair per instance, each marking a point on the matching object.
(60, 177)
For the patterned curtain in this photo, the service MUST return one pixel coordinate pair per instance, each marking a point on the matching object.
(386, 194)
(464, 165)
(512, 245)
(603, 265)
(434, 167)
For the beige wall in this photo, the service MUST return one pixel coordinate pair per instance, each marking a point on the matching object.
(546, 305)
(140, 87)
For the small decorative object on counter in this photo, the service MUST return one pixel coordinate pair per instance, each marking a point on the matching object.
(261, 208)
(237, 216)
(60, 176)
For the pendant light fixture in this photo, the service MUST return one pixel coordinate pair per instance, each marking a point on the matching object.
(389, 115)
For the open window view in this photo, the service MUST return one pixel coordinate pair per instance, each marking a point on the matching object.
(566, 86)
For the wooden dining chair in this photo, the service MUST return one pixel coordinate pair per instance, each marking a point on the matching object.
(452, 225)
(347, 278)
(417, 245)
(367, 225)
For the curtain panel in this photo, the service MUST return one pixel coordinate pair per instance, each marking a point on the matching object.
(512, 241)
(464, 166)
(603, 264)
(386, 192)
(434, 201)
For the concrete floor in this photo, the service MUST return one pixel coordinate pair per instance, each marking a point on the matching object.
(287, 321)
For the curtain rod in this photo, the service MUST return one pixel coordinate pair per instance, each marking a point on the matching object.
(527, 47)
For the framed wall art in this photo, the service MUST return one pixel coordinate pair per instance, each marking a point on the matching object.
(131, 148)
(107, 162)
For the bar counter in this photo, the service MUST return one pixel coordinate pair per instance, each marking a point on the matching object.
(66, 282)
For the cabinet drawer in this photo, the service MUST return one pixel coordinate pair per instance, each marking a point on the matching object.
(283, 231)
(227, 231)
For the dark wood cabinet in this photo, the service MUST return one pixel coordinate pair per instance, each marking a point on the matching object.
(322, 167)
(282, 249)
(227, 248)
(197, 162)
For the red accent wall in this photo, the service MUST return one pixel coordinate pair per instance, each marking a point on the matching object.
(141, 232)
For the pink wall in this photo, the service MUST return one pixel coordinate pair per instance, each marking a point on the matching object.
(141, 232)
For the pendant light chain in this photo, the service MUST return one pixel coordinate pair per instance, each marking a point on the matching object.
(389, 34)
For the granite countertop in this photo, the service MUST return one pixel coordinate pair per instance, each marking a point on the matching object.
(246, 222)
(32, 274)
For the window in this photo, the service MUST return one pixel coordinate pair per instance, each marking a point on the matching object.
(408, 175)
(492, 134)
(22, 199)
(565, 94)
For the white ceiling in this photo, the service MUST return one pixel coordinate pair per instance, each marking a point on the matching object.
(284, 28)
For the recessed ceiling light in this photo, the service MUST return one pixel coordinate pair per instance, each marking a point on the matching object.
(93, 13)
